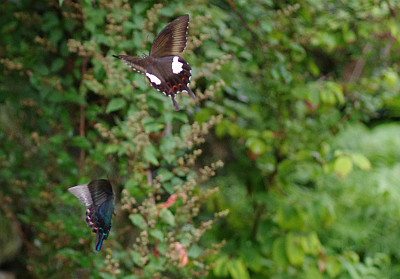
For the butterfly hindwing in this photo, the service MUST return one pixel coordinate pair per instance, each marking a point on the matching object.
(170, 75)
(172, 39)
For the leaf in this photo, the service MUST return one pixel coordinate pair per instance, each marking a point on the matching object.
(343, 166)
(137, 258)
(361, 161)
(115, 104)
(138, 221)
(165, 174)
(203, 115)
(310, 244)
(194, 251)
(221, 267)
(57, 64)
(333, 266)
(111, 148)
(153, 127)
(256, 145)
(290, 217)
(238, 270)
(157, 234)
(81, 142)
(167, 216)
(293, 249)
(150, 154)
(106, 276)
(278, 253)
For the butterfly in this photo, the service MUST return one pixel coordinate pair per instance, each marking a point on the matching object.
(98, 197)
(166, 70)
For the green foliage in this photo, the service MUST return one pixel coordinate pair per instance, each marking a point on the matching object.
(282, 90)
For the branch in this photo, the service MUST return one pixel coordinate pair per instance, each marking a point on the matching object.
(82, 117)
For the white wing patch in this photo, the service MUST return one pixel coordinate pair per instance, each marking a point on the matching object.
(153, 78)
(177, 66)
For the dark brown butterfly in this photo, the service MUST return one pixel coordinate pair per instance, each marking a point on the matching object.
(166, 70)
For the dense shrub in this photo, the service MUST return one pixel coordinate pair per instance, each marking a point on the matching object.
(287, 95)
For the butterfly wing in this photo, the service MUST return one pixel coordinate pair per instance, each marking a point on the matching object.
(170, 75)
(172, 39)
(100, 191)
(82, 193)
(136, 63)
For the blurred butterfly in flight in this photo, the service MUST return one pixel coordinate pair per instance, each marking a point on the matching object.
(166, 70)
(98, 197)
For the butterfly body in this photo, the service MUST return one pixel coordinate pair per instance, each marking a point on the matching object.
(98, 197)
(165, 69)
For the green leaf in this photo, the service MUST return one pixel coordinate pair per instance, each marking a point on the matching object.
(333, 266)
(106, 275)
(361, 161)
(311, 244)
(167, 216)
(137, 258)
(115, 104)
(278, 253)
(150, 154)
(203, 115)
(293, 249)
(221, 268)
(238, 270)
(153, 127)
(343, 166)
(112, 148)
(290, 217)
(194, 251)
(256, 145)
(138, 221)
(165, 174)
(157, 234)
(81, 142)
(57, 64)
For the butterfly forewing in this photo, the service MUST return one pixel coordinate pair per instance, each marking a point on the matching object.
(101, 191)
(82, 193)
(172, 39)
(136, 63)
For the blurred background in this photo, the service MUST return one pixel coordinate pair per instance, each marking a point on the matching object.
(287, 165)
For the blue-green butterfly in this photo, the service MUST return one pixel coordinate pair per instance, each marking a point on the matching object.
(98, 197)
